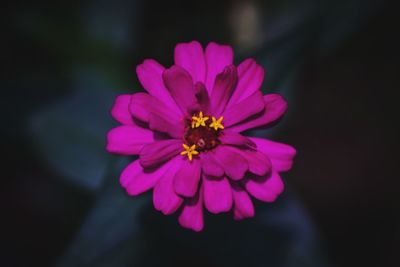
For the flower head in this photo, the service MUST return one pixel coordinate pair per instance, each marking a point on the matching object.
(187, 131)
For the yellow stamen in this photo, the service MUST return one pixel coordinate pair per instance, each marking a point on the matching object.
(216, 124)
(189, 151)
(199, 121)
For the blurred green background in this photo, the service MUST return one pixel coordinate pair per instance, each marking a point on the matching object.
(336, 62)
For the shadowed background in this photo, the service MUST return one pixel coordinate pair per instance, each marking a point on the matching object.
(336, 62)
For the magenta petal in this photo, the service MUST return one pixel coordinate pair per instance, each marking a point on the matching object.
(187, 179)
(243, 206)
(120, 110)
(180, 85)
(224, 85)
(192, 213)
(164, 197)
(136, 180)
(217, 58)
(234, 165)
(202, 96)
(236, 139)
(128, 139)
(158, 152)
(275, 107)
(142, 105)
(150, 76)
(190, 56)
(259, 163)
(209, 165)
(157, 123)
(217, 194)
(281, 155)
(266, 189)
(244, 110)
(251, 76)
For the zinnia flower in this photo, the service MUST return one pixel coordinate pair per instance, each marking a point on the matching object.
(188, 133)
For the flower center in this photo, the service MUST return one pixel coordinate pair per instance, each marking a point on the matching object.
(201, 134)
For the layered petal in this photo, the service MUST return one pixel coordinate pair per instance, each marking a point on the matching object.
(180, 85)
(164, 197)
(157, 123)
(209, 165)
(224, 85)
(192, 213)
(236, 139)
(267, 188)
(275, 107)
(202, 96)
(217, 194)
(281, 155)
(128, 139)
(142, 105)
(187, 179)
(259, 164)
(120, 109)
(233, 164)
(158, 152)
(243, 206)
(217, 58)
(190, 56)
(251, 76)
(136, 180)
(150, 76)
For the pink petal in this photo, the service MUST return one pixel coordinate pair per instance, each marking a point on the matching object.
(202, 96)
(243, 206)
(190, 56)
(120, 110)
(150, 76)
(142, 105)
(158, 152)
(281, 155)
(157, 123)
(217, 194)
(266, 189)
(128, 139)
(251, 76)
(136, 180)
(192, 213)
(209, 165)
(224, 85)
(234, 165)
(187, 179)
(164, 197)
(275, 107)
(217, 58)
(236, 139)
(245, 109)
(180, 85)
(259, 163)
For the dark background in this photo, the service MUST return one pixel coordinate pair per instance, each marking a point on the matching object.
(336, 62)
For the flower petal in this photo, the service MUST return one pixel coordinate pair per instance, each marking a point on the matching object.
(128, 139)
(137, 180)
(157, 123)
(259, 163)
(192, 213)
(234, 165)
(142, 105)
(150, 76)
(217, 194)
(164, 197)
(209, 165)
(120, 110)
(281, 155)
(236, 139)
(275, 107)
(187, 179)
(267, 188)
(224, 85)
(243, 206)
(217, 58)
(180, 85)
(251, 106)
(202, 96)
(251, 76)
(190, 56)
(158, 152)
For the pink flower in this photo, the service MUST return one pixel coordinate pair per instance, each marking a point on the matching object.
(187, 131)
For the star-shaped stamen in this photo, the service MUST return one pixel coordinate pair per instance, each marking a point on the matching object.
(199, 121)
(189, 151)
(216, 124)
